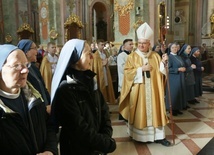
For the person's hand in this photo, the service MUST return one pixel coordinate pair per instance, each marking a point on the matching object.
(45, 153)
(202, 68)
(104, 61)
(193, 66)
(48, 109)
(147, 67)
(182, 69)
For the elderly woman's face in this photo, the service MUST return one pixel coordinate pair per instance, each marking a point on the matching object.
(197, 53)
(188, 49)
(85, 60)
(174, 48)
(32, 53)
(14, 72)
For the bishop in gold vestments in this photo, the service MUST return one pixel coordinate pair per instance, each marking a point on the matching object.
(142, 95)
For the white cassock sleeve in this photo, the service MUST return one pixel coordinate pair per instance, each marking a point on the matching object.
(162, 68)
(139, 76)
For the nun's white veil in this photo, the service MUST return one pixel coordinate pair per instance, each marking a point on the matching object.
(63, 61)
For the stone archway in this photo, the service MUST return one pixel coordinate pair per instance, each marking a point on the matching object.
(99, 21)
(102, 12)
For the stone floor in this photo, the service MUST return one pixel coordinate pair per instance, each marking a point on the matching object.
(193, 130)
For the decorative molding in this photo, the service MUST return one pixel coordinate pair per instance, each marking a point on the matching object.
(137, 23)
(123, 10)
(212, 24)
(25, 27)
(102, 1)
(71, 4)
(23, 16)
(179, 16)
(8, 38)
(44, 12)
(53, 33)
(73, 19)
(89, 2)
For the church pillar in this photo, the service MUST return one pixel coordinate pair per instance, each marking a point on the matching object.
(170, 12)
(152, 21)
(210, 8)
(197, 15)
(204, 17)
(192, 32)
(62, 12)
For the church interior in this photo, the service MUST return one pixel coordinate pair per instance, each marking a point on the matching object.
(181, 21)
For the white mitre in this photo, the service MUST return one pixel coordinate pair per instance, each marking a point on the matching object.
(145, 32)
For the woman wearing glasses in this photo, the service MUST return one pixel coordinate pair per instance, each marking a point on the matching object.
(24, 125)
(34, 76)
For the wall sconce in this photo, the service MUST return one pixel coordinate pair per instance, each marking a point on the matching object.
(137, 10)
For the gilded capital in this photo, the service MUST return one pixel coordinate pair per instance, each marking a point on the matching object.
(125, 9)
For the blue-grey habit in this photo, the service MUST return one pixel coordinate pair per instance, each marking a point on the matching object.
(189, 75)
(197, 73)
(177, 83)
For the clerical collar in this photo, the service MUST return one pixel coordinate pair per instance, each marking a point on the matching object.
(127, 52)
(173, 53)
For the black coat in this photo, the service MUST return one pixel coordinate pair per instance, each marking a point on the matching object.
(84, 116)
(198, 76)
(189, 78)
(36, 79)
(28, 136)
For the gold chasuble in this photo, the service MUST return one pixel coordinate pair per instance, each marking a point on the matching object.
(142, 99)
(98, 68)
(46, 73)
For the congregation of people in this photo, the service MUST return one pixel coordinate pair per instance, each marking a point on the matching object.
(48, 99)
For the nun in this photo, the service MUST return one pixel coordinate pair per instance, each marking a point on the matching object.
(176, 79)
(24, 125)
(78, 105)
(189, 75)
(34, 76)
(194, 57)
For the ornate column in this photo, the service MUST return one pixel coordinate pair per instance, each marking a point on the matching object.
(210, 11)
(198, 15)
(207, 37)
(63, 18)
(44, 18)
(1, 24)
(170, 4)
(192, 22)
